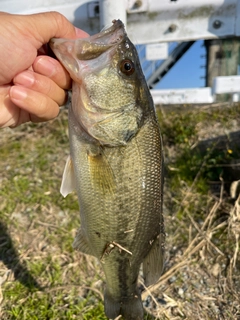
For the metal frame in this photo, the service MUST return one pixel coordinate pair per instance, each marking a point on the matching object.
(148, 21)
(153, 21)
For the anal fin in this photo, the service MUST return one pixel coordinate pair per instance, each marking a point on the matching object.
(154, 262)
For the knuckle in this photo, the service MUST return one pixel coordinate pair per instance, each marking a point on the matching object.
(48, 109)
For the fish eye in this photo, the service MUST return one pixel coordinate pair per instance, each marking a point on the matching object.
(127, 67)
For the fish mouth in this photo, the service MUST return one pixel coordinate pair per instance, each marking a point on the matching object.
(70, 51)
(111, 35)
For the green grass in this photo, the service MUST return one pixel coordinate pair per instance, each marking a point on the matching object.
(180, 129)
(38, 228)
(42, 277)
(53, 305)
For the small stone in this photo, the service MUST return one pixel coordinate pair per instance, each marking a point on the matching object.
(216, 269)
(181, 292)
(172, 279)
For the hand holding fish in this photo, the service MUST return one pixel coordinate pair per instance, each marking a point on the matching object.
(32, 87)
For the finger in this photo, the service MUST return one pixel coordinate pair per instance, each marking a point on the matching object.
(80, 33)
(41, 84)
(52, 24)
(39, 106)
(11, 115)
(53, 69)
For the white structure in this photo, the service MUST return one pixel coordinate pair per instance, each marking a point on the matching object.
(148, 21)
(183, 96)
(153, 21)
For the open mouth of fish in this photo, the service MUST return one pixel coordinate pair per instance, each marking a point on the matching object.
(69, 51)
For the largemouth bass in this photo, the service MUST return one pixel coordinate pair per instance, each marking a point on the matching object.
(115, 164)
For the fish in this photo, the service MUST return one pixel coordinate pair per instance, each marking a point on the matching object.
(115, 165)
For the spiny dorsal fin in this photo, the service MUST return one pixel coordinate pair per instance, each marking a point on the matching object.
(68, 180)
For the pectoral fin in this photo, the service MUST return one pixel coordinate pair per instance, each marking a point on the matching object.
(102, 176)
(80, 243)
(153, 263)
(68, 179)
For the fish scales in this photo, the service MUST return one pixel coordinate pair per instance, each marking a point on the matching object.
(115, 165)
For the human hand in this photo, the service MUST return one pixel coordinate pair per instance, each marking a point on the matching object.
(32, 87)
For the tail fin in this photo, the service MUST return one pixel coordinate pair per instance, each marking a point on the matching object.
(130, 308)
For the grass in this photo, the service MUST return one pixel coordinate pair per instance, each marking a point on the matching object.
(42, 277)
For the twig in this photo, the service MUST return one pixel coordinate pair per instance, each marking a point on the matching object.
(121, 248)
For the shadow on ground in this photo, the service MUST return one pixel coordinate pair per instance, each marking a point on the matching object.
(9, 256)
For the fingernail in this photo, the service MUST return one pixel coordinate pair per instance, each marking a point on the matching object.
(80, 33)
(47, 66)
(25, 78)
(17, 93)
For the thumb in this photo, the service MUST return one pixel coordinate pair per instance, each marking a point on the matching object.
(47, 25)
